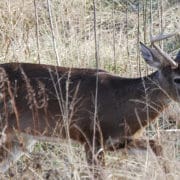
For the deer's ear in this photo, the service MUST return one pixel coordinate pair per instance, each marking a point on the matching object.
(147, 54)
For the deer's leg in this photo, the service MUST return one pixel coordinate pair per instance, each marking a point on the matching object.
(156, 148)
(14, 149)
(95, 158)
(143, 144)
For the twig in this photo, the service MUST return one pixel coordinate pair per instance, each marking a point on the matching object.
(37, 31)
(52, 33)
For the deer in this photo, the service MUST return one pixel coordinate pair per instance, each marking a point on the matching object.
(45, 102)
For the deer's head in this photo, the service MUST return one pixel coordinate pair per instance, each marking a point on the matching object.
(168, 69)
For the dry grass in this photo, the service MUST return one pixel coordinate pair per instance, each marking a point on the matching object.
(118, 34)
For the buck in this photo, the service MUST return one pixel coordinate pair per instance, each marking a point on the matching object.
(48, 102)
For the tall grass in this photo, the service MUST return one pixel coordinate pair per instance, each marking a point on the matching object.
(61, 32)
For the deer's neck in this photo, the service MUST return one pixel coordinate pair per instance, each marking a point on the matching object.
(154, 100)
(141, 100)
(155, 96)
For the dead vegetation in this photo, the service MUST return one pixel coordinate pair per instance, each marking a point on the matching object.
(62, 33)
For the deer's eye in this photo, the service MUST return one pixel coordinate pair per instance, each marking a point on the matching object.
(177, 80)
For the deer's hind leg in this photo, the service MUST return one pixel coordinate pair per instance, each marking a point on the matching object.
(98, 158)
(95, 160)
(13, 148)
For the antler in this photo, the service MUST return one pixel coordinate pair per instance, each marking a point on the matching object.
(162, 53)
(161, 37)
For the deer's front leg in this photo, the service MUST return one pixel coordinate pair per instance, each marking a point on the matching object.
(143, 144)
(156, 147)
